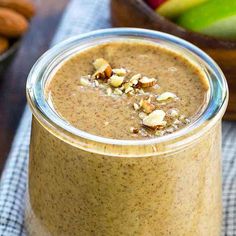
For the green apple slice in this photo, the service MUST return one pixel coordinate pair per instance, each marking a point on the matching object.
(215, 18)
(174, 8)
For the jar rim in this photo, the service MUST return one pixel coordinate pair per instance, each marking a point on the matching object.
(41, 109)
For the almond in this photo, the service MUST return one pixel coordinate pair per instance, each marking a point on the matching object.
(12, 24)
(23, 7)
(103, 69)
(146, 82)
(155, 119)
(4, 44)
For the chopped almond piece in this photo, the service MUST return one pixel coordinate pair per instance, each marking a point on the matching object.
(166, 96)
(134, 130)
(116, 80)
(119, 72)
(84, 81)
(129, 89)
(135, 79)
(160, 133)
(173, 113)
(136, 106)
(103, 69)
(109, 91)
(155, 119)
(147, 106)
(146, 82)
(126, 85)
(142, 115)
(118, 91)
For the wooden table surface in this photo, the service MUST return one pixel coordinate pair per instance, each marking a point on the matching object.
(12, 82)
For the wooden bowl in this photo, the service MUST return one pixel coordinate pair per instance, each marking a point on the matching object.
(136, 13)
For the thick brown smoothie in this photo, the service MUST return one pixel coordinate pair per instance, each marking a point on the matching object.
(125, 90)
(91, 108)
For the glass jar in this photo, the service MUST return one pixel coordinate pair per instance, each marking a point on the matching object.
(82, 184)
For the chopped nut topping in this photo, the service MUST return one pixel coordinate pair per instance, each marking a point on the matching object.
(118, 91)
(159, 132)
(141, 91)
(177, 122)
(126, 85)
(146, 82)
(134, 130)
(155, 119)
(170, 130)
(135, 79)
(103, 69)
(109, 91)
(147, 106)
(173, 113)
(119, 72)
(184, 119)
(95, 83)
(136, 106)
(129, 89)
(116, 81)
(142, 115)
(166, 96)
(84, 81)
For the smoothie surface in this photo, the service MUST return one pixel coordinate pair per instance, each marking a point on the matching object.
(128, 90)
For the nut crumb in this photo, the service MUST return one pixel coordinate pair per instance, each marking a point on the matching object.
(106, 123)
(129, 89)
(84, 81)
(165, 96)
(96, 83)
(109, 91)
(172, 112)
(142, 115)
(159, 132)
(134, 130)
(136, 106)
(118, 91)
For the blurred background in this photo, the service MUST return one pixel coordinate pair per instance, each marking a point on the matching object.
(14, 68)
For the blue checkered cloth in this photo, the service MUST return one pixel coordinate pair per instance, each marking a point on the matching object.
(82, 16)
